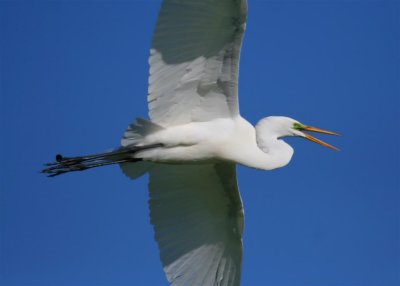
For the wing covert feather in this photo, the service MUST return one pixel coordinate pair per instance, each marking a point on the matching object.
(197, 216)
(194, 60)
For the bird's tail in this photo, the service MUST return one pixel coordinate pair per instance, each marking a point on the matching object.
(72, 164)
(133, 136)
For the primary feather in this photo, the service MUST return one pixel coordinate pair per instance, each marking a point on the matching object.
(197, 215)
(194, 61)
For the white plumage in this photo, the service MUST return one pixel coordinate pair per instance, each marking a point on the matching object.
(194, 140)
(197, 215)
(194, 61)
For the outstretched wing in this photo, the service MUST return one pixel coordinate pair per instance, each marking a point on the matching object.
(194, 60)
(197, 214)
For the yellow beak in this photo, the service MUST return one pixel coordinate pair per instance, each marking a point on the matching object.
(313, 139)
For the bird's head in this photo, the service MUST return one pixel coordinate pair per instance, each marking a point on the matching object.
(286, 126)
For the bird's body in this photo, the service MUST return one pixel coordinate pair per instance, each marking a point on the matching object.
(232, 140)
(194, 139)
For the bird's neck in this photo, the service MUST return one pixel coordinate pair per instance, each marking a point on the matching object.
(276, 152)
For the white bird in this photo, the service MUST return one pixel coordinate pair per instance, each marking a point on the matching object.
(194, 140)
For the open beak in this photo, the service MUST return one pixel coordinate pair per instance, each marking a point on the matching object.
(313, 139)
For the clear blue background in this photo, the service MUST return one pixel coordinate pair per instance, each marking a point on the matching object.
(74, 75)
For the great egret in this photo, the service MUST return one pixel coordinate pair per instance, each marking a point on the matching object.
(194, 140)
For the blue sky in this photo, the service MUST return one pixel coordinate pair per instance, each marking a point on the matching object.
(74, 75)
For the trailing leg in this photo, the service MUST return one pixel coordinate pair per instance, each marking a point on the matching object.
(72, 164)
